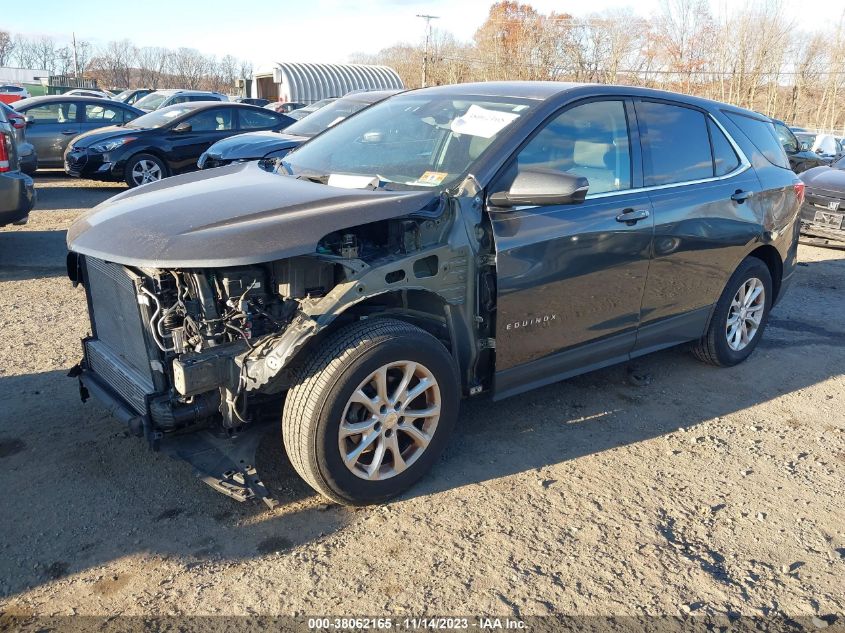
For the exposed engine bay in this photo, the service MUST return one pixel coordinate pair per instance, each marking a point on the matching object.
(221, 341)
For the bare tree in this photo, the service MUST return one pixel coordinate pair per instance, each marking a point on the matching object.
(113, 64)
(152, 62)
(23, 53)
(44, 52)
(7, 47)
(189, 66)
(84, 53)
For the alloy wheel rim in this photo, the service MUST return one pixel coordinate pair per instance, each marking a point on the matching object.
(389, 420)
(145, 171)
(745, 314)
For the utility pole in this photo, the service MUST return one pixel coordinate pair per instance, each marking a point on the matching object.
(75, 62)
(428, 19)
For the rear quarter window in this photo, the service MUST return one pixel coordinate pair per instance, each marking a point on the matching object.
(762, 134)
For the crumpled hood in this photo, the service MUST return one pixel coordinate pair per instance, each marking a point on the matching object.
(234, 215)
(826, 178)
(253, 145)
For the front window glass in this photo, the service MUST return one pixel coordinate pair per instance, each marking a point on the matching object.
(325, 117)
(589, 140)
(211, 120)
(62, 112)
(158, 118)
(416, 141)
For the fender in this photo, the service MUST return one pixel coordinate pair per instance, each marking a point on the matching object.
(442, 271)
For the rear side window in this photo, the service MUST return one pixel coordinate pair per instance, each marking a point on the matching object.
(256, 120)
(104, 114)
(762, 134)
(675, 142)
(725, 159)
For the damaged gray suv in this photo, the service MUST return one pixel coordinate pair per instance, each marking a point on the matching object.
(445, 243)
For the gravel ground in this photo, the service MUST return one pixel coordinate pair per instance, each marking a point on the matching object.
(694, 490)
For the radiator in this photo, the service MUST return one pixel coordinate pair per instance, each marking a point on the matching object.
(118, 353)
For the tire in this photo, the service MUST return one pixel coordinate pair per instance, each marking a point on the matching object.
(140, 162)
(715, 347)
(322, 396)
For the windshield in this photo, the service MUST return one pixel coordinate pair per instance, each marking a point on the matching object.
(159, 118)
(151, 101)
(414, 140)
(325, 117)
(806, 137)
(787, 138)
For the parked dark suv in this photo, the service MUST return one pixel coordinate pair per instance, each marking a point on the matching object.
(444, 243)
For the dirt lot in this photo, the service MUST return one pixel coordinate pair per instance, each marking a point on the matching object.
(696, 490)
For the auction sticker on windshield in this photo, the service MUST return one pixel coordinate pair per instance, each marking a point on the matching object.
(478, 121)
(432, 178)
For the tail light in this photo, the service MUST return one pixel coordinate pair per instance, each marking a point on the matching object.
(4, 154)
(799, 192)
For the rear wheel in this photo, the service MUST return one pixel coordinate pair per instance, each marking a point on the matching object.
(144, 168)
(740, 316)
(371, 411)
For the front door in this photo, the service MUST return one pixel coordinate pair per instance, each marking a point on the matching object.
(570, 278)
(207, 127)
(50, 128)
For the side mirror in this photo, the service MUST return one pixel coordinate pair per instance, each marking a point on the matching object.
(183, 127)
(542, 187)
(30, 120)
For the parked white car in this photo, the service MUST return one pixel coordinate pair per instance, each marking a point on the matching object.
(88, 92)
(20, 91)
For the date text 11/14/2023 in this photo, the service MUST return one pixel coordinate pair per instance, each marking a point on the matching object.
(414, 623)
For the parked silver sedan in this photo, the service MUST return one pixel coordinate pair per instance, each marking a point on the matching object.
(52, 122)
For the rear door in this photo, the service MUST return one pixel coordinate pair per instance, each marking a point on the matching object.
(96, 115)
(570, 278)
(704, 196)
(51, 127)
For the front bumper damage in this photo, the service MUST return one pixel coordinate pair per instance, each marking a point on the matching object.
(223, 456)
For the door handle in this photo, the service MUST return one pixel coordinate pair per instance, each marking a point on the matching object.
(69, 132)
(632, 216)
(741, 196)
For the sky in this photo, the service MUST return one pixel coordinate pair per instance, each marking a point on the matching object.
(264, 31)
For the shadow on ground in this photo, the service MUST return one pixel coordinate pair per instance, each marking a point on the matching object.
(80, 492)
(32, 254)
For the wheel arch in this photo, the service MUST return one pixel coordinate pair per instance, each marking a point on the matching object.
(770, 256)
(421, 307)
(152, 151)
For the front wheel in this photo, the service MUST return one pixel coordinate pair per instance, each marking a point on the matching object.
(144, 168)
(371, 411)
(740, 316)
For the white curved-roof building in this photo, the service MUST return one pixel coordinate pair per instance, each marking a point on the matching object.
(307, 83)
